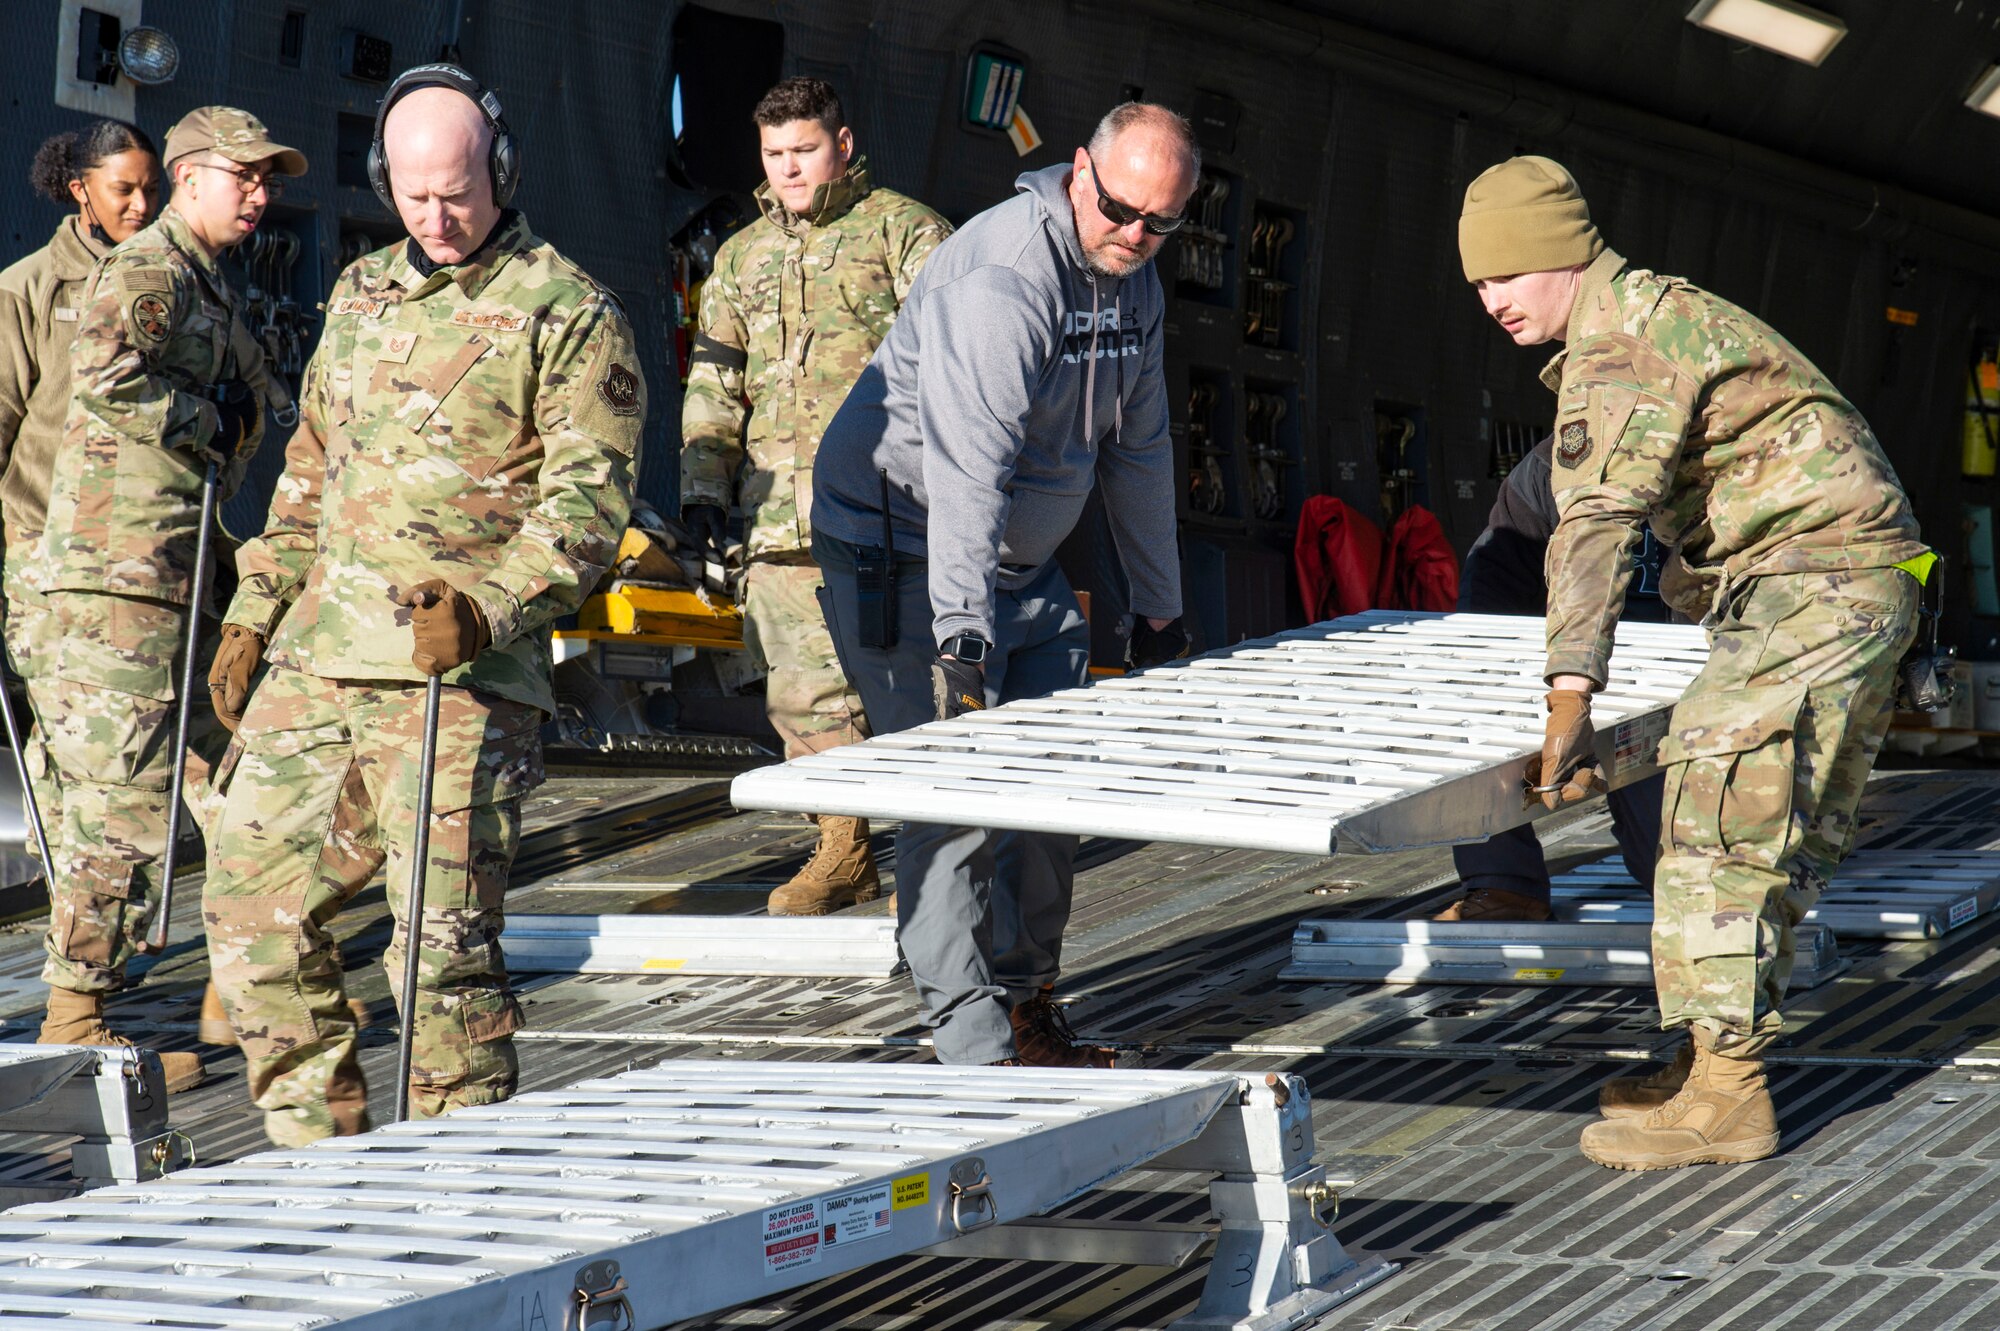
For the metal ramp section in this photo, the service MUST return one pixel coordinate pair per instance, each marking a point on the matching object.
(1381, 731)
(113, 1100)
(702, 945)
(1914, 894)
(636, 1201)
(1433, 952)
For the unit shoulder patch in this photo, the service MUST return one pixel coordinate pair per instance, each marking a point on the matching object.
(1573, 444)
(620, 390)
(152, 318)
(501, 323)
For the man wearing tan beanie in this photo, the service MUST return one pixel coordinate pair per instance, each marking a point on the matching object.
(1794, 545)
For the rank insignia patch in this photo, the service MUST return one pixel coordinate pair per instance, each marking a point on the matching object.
(620, 390)
(1574, 444)
(152, 320)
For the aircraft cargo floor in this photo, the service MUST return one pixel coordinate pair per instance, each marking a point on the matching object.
(1451, 1111)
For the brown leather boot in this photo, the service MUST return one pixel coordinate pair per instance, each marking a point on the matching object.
(840, 873)
(77, 1018)
(1043, 1038)
(214, 1027)
(1495, 905)
(1630, 1097)
(1722, 1115)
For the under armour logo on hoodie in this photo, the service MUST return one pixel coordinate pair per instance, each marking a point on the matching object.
(1115, 333)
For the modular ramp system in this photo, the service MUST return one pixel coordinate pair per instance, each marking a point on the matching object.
(1874, 893)
(1383, 731)
(112, 1099)
(636, 1201)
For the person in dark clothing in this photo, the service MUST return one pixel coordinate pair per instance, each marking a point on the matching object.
(1506, 877)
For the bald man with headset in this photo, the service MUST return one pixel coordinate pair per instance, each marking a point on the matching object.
(460, 477)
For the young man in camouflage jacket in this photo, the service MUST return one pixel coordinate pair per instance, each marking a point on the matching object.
(1791, 535)
(161, 377)
(797, 304)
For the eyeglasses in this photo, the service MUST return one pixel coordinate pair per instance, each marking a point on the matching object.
(1124, 214)
(250, 182)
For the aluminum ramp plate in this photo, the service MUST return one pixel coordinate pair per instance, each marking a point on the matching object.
(639, 1200)
(30, 1071)
(1380, 731)
(1875, 894)
(1430, 952)
(702, 945)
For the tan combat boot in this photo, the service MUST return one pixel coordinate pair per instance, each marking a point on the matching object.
(1630, 1097)
(1495, 905)
(1723, 1115)
(214, 1027)
(840, 873)
(76, 1018)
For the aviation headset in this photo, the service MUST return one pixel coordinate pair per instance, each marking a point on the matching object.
(503, 159)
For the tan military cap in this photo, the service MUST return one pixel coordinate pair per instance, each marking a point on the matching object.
(237, 135)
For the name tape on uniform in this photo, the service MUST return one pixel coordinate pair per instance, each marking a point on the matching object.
(500, 323)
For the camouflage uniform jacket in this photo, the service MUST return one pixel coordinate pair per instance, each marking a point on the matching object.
(1676, 406)
(796, 306)
(476, 425)
(41, 303)
(159, 329)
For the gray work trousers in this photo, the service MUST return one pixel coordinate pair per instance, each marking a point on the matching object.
(1512, 861)
(980, 914)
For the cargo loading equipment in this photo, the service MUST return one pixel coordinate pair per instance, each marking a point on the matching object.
(631, 1202)
(1382, 731)
(1377, 732)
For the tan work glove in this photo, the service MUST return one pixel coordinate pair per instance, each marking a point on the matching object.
(1566, 769)
(236, 660)
(447, 626)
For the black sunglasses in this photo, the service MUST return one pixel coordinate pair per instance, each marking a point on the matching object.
(1124, 214)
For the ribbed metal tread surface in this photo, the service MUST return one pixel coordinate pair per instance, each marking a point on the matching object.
(1382, 731)
(1877, 893)
(1455, 1109)
(685, 1167)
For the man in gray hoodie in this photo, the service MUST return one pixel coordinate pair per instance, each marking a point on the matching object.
(1024, 369)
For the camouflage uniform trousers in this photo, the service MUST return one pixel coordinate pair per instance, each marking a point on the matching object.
(318, 791)
(807, 696)
(105, 702)
(31, 634)
(1766, 758)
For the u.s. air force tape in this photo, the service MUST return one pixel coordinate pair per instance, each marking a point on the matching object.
(713, 352)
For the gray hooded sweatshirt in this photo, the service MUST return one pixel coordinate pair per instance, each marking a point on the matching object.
(1013, 378)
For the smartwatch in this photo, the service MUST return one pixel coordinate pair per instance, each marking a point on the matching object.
(968, 647)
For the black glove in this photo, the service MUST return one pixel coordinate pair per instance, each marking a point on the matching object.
(709, 525)
(1149, 646)
(238, 412)
(957, 687)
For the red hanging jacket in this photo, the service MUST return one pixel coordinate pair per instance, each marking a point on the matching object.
(1338, 554)
(1419, 571)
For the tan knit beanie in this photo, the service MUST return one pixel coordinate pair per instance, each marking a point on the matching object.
(1525, 216)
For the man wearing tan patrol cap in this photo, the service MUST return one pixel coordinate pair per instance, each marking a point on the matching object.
(161, 383)
(1794, 545)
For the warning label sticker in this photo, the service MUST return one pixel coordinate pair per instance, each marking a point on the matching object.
(854, 1216)
(791, 1237)
(1636, 743)
(913, 1190)
(1534, 975)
